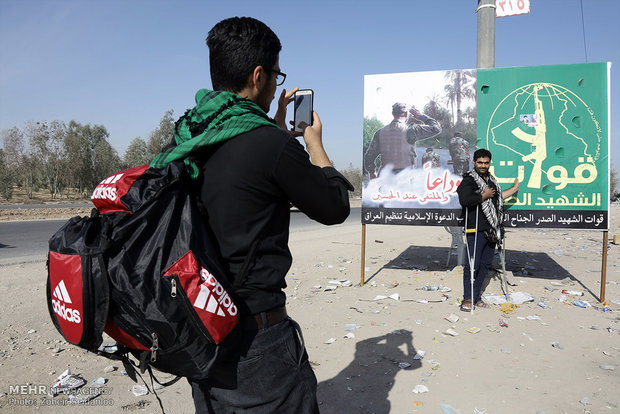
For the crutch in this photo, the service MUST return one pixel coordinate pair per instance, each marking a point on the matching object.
(471, 258)
(502, 258)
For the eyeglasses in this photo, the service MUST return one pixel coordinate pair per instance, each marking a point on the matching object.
(280, 77)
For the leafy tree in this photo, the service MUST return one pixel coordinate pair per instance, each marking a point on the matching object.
(15, 158)
(441, 115)
(371, 125)
(137, 153)
(105, 161)
(354, 175)
(6, 177)
(83, 144)
(162, 135)
(46, 141)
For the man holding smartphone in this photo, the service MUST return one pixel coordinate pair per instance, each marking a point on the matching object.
(248, 169)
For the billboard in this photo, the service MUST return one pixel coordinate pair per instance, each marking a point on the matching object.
(545, 125)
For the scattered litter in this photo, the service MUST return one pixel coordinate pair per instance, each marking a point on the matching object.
(378, 241)
(438, 287)
(99, 381)
(32, 331)
(435, 365)
(67, 382)
(351, 327)
(139, 390)
(572, 292)
(607, 367)
(557, 345)
(452, 318)
(394, 283)
(347, 283)
(417, 403)
(109, 368)
(582, 303)
(330, 287)
(518, 298)
(419, 389)
(554, 283)
(544, 305)
(533, 318)
(335, 282)
(356, 309)
(420, 354)
(508, 307)
(404, 365)
(448, 409)
(330, 341)
(377, 323)
(585, 401)
(397, 332)
(451, 332)
(394, 296)
(567, 281)
(473, 330)
(594, 327)
(350, 335)
(613, 331)
(503, 323)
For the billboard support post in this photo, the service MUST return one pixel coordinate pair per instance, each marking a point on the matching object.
(604, 266)
(363, 253)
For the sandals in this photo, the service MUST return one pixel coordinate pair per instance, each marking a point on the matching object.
(466, 305)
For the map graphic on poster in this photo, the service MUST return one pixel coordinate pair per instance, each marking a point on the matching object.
(545, 125)
(548, 127)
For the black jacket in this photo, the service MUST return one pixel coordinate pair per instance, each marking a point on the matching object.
(470, 198)
(247, 185)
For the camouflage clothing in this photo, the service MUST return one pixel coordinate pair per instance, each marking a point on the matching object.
(431, 157)
(395, 143)
(459, 152)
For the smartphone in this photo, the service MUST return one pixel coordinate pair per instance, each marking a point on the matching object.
(303, 109)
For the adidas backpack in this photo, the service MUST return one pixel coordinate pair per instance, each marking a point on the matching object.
(143, 269)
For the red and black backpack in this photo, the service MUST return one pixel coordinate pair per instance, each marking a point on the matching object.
(143, 268)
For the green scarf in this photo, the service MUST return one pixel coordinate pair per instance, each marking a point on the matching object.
(217, 117)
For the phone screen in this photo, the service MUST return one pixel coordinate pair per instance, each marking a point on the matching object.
(303, 109)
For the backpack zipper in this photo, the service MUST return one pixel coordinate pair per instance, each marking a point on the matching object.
(192, 316)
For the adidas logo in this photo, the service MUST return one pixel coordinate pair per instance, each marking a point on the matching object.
(62, 297)
(103, 191)
(213, 297)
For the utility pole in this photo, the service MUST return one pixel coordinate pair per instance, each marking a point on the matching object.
(485, 56)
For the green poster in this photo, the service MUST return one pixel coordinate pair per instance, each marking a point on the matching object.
(548, 127)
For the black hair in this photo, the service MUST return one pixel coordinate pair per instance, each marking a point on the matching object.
(482, 153)
(236, 47)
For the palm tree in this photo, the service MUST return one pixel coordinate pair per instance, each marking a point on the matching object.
(462, 86)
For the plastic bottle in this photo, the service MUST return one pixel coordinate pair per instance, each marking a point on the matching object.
(572, 292)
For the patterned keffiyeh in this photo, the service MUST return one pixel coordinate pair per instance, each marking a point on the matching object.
(493, 213)
(217, 117)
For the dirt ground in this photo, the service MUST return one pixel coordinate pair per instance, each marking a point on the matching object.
(363, 340)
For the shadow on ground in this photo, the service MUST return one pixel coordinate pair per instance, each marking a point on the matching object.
(521, 263)
(368, 379)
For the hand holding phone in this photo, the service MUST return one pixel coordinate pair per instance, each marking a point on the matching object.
(303, 109)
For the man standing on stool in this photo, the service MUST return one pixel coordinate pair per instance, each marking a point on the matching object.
(479, 195)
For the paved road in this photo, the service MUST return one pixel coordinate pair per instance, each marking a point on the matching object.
(26, 241)
(48, 205)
